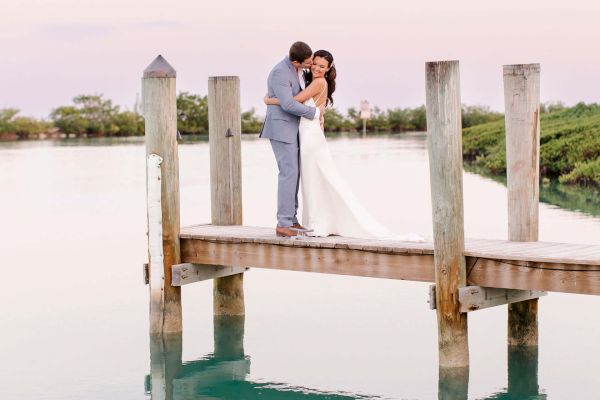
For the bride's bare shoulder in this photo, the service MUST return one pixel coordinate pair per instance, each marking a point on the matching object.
(320, 81)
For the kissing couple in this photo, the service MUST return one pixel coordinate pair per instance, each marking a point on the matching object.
(296, 102)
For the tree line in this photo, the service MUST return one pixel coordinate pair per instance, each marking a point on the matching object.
(569, 144)
(95, 116)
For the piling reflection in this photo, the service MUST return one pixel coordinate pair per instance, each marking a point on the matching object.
(522, 376)
(522, 379)
(223, 374)
(218, 375)
(453, 384)
(165, 365)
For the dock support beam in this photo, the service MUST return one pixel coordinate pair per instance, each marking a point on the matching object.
(225, 126)
(445, 164)
(160, 114)
(522, 119)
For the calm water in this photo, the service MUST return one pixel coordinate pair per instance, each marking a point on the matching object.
(74, 308)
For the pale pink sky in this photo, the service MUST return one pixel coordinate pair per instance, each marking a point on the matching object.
(53, 50)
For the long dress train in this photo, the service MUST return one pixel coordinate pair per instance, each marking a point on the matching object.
(328, 205)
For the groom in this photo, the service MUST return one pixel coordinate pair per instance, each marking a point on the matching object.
(281, 126)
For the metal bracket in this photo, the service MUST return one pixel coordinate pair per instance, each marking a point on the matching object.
(146, 273)
(431, 300)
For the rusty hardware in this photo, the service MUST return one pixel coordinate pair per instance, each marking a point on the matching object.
(146, 274)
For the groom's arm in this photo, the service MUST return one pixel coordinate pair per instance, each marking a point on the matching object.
(283, 91)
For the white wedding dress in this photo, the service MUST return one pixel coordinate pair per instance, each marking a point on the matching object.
(328, 205)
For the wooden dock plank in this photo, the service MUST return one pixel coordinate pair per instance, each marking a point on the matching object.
(561, 267)
(310, 259)
(483, 248)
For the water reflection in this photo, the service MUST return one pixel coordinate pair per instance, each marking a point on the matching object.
(453, 384)
(223, 374)
(522, 379)
(219, 375)
(574, 198)
(522, 376)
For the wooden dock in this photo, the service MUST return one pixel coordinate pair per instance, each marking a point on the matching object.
(540, 266)
(468, 274)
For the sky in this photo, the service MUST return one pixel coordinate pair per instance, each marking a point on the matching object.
(53, 50)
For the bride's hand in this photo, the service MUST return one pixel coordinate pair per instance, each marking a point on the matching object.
(266, 99)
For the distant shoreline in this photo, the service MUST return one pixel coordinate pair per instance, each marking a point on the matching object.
(569, 146)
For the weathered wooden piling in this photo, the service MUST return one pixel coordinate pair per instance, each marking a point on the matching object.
(225, 127)
(160, 114)
(445, 163)
(522, 119)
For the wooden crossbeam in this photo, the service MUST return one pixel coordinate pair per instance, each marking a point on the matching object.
(473, 298)
(412, 267)
(552, 277)
(186, 273)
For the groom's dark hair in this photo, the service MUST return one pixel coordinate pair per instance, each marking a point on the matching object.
(300, 51)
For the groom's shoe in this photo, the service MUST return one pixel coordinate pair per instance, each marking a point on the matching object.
(284, 232)
(298, 226)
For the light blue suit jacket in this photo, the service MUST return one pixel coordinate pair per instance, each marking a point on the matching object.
(281, 122)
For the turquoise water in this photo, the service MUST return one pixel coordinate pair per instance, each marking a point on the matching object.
(74, 308)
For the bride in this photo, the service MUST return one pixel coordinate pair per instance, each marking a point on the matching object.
(328, 205)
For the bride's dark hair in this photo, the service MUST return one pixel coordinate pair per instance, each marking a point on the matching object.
(329, 75)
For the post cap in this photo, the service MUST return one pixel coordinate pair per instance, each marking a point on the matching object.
(520, 69)
(160, 68)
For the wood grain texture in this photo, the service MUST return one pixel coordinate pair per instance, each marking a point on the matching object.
(473, 298)
(445, 165)
(225, 151)
(411, 267)
(542, 252)
(565, 278)
(160, 114)
(225, 128)
(522, 120)
(156, 269)
(186, 273)
(502, 265)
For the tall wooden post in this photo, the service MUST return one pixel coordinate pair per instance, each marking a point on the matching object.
(160, 113)
(522, 119)
(445, 164)
(225, 127)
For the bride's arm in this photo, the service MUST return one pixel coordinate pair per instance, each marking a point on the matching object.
(271, 101)
(311, 90)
